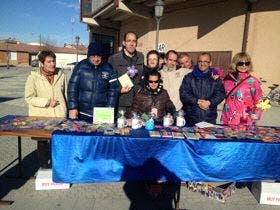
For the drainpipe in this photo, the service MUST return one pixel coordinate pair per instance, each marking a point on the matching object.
(247, 23)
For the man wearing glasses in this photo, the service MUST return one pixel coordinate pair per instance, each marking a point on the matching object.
(200, 93)
(128, 61)
(172, 77)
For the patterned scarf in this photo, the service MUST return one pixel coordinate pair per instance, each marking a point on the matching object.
(49, 75)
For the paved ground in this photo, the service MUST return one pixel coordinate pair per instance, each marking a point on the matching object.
(88, 196)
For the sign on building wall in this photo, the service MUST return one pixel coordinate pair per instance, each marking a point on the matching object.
(161, 47)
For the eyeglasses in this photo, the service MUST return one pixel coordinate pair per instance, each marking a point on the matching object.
(151, 81)
(204, 62)
(243, 63)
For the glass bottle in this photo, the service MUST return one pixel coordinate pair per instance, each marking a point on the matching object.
(135, 122)
(121, 121)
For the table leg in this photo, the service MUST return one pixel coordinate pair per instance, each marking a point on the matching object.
(19, 157)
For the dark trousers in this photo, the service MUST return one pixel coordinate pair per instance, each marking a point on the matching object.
(44, 157)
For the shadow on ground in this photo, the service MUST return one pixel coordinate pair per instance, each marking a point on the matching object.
(6, 77)
(4, 99)
(151, 195)
(11, 179)
(7, 66)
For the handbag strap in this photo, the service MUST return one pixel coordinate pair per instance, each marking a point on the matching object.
(233, 89)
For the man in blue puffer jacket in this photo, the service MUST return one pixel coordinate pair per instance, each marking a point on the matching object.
(93, 83)
(201, 92)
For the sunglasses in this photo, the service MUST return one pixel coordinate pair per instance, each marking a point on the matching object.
(150, 81)
(243, 63)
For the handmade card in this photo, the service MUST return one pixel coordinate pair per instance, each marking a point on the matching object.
(125, 81)
(103, 115)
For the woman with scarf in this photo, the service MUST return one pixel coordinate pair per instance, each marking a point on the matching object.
(243, 92)
(45, 93)
(152, 64)
(152, 98)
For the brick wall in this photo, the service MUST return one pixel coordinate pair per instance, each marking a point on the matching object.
(3, 57)
(23, 59)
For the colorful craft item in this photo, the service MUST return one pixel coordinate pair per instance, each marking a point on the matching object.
(264, 104)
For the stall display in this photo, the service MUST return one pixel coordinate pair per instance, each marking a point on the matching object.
(202, 131)
(11, 123)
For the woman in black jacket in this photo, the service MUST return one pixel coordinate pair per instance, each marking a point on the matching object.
(152, 98)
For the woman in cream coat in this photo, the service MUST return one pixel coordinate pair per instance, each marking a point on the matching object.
(45, 93)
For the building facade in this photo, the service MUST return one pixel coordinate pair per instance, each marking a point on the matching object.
(222, 27)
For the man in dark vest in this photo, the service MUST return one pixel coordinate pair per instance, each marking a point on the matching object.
(128, 61)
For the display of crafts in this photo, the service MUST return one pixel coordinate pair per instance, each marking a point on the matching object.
(11, 123)
(76, 126)
(240, 132)
(261, 133)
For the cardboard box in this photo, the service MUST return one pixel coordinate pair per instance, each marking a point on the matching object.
(44, 181)
(219, 191)
(266, 192)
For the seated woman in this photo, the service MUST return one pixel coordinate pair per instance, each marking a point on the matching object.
(152, 98)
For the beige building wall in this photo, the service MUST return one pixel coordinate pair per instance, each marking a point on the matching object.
(264, 46)
(218, 27)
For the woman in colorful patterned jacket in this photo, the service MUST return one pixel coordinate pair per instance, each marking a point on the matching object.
(243, 92)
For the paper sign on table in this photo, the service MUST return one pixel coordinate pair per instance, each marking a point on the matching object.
(103, 115)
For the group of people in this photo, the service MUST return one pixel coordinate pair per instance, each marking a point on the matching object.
(157, 88)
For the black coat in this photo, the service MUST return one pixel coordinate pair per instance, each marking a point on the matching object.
(92, 86)
(120, 62)
(194, 88)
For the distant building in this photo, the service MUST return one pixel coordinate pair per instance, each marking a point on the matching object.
(22, 54)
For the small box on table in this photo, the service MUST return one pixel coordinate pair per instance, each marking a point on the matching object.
(44, 181)
(266, 192)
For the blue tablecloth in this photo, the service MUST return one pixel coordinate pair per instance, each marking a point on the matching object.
(84, 158)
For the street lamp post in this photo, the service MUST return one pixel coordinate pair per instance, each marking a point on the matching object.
(247, 23)
(77, 45)
(159, 6)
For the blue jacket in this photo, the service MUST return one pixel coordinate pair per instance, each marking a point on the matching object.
(198, 85)
(92, 86)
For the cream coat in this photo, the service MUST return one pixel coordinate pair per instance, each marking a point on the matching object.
(39, 92)
(172, 80)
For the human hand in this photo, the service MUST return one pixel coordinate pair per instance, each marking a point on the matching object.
(203, 104)
(73, 114)
(215, 76)
(125, 89)
(54, 103)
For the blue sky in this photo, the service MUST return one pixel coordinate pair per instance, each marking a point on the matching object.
(56, 20)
